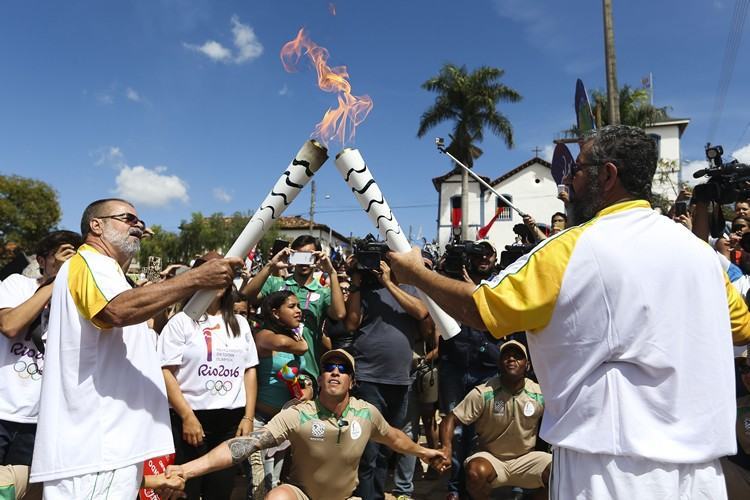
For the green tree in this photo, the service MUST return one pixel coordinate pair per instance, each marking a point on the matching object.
(28, 210)
(162, 243)
(470, 101)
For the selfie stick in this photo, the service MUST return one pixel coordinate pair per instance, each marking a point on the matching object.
(308, 160)
(440, 143)
(352, 167)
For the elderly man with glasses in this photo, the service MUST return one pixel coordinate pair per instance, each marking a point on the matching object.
(327, 435)
(103, 404)
(626, 312)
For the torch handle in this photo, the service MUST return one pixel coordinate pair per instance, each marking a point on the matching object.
(299, 172)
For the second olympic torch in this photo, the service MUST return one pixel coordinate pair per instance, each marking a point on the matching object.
(352, 167)
(308, 160)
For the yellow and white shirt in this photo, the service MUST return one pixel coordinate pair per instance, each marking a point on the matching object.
(630, 319)
(104, 403)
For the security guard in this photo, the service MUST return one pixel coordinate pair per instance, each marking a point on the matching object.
(327, 437)
(506, 411)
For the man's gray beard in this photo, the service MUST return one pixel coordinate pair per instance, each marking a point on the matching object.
(584, 206)
(126, 246)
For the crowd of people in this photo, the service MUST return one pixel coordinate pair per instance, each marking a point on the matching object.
(597, 365)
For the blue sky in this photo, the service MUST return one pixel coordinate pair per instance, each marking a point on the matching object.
(184, 106)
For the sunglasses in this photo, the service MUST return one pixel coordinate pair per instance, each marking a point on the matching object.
(744, 369)
(342, 368)
(126, 217)
(739, 227)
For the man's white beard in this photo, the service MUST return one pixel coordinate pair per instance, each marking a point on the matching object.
(123, 242)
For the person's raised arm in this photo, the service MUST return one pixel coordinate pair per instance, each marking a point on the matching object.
(270, 341)
(535, 231)
(412, 305)
(453, 296)
(14, 320)
(252, 289)
(337, 309)
(353, 318)
(139, 304)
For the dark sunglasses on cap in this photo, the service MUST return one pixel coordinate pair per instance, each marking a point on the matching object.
(126, 217)
(341, 367)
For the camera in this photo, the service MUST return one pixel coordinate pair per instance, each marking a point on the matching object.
(727, 182)
(369, 253)
(459, 253)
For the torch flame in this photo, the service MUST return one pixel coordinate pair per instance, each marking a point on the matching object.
(339, 123)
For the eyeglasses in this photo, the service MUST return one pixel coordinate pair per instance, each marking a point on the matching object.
(341, 367)
(126, 217)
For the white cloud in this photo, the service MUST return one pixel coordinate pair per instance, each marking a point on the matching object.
(284, 90)
(743, 154)
(110, 156)
(214, 50)
(221, 195)
(150, 187)
(133, 95)
(246, 42)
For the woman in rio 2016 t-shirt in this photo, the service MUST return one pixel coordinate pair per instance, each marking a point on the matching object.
(209, 370)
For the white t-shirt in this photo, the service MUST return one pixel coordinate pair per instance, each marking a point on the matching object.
(210, 363)
(104, 403)
(20, 362)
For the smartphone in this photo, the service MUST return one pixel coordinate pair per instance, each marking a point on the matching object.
(680, 208)
(278, 246)
(302, 258)
(153, 269)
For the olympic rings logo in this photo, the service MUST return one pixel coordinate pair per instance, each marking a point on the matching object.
(220, 387)
(27, 370)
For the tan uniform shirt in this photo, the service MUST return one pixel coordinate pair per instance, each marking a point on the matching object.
(507, 424)
(743, 423)
(326, 450)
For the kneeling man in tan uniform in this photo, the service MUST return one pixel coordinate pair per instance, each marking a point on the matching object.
(506, 411)
(327, 436)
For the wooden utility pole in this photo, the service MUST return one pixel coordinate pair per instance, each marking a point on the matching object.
(613, 96)
(312, 205)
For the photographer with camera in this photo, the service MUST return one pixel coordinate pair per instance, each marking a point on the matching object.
(385, 317)
(315, 300)
(469, 358)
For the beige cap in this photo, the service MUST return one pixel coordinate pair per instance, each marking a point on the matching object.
(338, 353)
(514, 343)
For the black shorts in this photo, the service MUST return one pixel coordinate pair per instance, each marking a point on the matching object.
(16, 443)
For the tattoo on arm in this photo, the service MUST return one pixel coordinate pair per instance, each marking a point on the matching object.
(243, 447)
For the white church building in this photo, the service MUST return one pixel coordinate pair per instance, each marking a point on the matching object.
(531, 188)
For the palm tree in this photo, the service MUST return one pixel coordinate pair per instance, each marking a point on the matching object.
(469, 100)
(635, 109)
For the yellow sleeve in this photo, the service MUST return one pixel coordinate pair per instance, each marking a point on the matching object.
(739, 316)
(523, 296)
(87, 296)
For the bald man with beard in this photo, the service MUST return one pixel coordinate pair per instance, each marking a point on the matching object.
(103, 405)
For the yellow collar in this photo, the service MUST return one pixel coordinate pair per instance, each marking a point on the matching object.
(622, 206)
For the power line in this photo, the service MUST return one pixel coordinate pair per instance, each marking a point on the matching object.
(727, 66)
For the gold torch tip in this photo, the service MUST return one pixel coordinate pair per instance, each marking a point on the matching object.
(319, 145)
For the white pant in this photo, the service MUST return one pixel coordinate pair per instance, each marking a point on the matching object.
(588, 476)
(118, 484)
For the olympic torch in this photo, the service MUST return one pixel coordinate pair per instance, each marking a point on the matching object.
(352, 167)
(308, 160)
